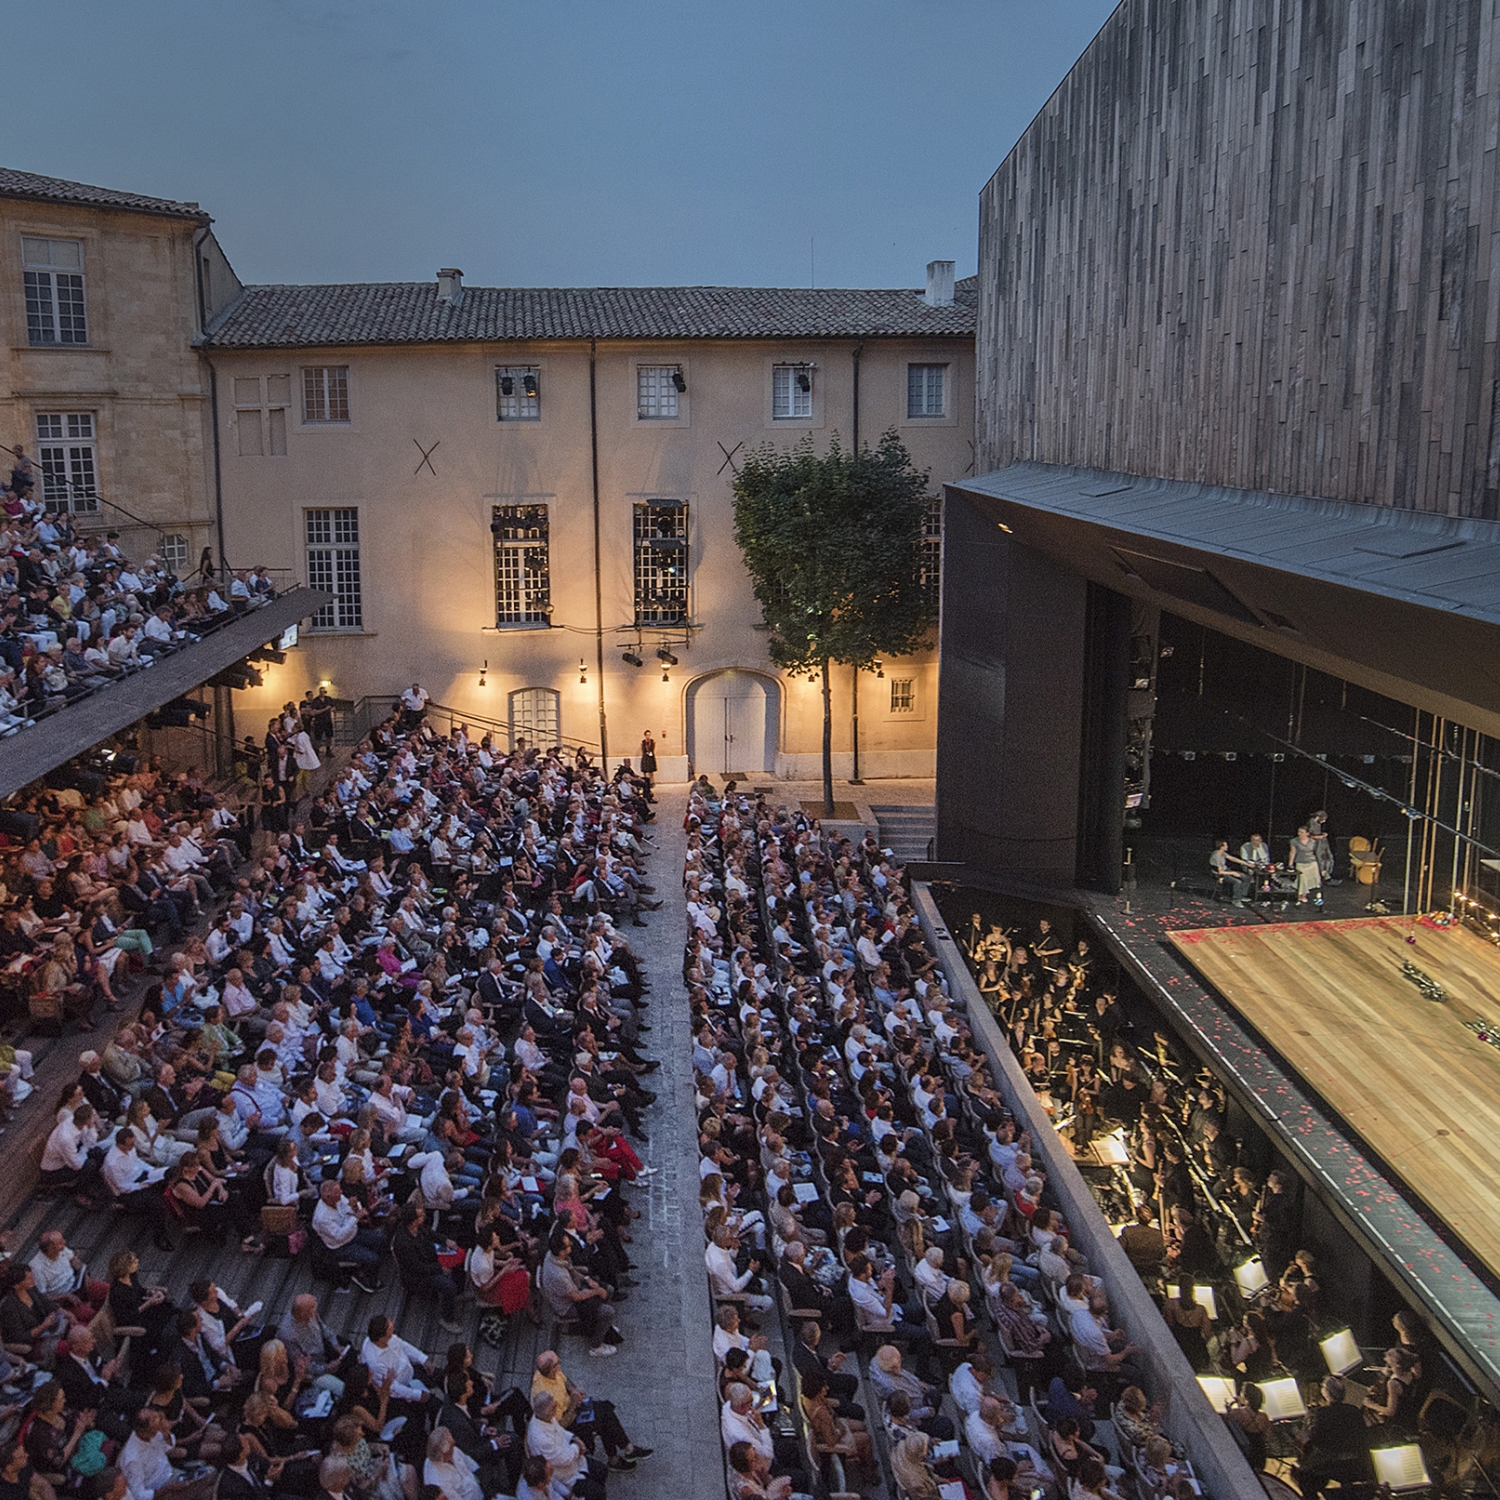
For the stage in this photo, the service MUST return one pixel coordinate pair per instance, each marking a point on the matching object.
(1418, 1086)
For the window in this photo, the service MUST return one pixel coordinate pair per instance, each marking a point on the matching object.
(325, 393)
(518, 393)
(903, 695)
(174, 553)
(791, 391)
(657, 388)
(926, 390)
(535, 717)
(661, 562)
(65, 454)
(931, 574)
(53, 274)
(260, 407)
(333, 566)
(522, 578)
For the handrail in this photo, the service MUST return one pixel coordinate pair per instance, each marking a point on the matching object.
(362, 715)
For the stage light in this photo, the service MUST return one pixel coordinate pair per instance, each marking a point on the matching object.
(663, 655)
(1251, 1277)
(1231, 755)
(1340, 1352)
(1190, 755)
(1277, 757)
(804, 378)
(482, 673)
(631, 659)
(1220, 1392)
(1401, 1468)
(507, 385)
(678, 383)
(1284, 1401)
(528, 384)
(1204, 1297)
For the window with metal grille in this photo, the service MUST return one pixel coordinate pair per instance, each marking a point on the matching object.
(522, 573)
(535, 716)
(903, 695)
(931, 566)
(657, 390)
(325, 393)
(65, 455)
(518, 393)
(52, 271)
(260, 408)
(174, 553)
(661, 562)
(333, 566)
(926, 390)
(791, 392)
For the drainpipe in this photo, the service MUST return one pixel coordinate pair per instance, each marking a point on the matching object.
(598, 566)
(213, 409)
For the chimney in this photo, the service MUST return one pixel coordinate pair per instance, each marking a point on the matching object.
(451, 285)
(939, 283)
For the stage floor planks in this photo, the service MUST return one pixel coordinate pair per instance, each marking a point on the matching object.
(1419, 1087)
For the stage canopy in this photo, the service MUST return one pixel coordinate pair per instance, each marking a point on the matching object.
(1407, 604)
(57, 739)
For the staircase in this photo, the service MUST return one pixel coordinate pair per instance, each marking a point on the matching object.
(906, 831)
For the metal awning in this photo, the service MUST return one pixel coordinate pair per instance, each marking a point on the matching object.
(1403, 602)
(56, 740)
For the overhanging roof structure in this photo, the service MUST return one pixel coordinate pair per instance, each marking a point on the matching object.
(1405, 603)
(56, 740)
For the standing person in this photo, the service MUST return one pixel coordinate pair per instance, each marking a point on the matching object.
(1317, 827)
(414, 704)
(206, 565)
(305, 757)
(648, 757)
(1303, 858)
(22, 472)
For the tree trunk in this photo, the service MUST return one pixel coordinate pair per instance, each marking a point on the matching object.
(827, 742)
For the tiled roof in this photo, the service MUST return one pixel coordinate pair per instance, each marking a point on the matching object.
(269, 317)
(15, 184)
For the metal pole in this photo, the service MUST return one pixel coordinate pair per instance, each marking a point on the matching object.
(1458, 816)
(854, 779)
(1411, 801)
(598, 566)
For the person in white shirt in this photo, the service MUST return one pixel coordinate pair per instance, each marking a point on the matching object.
(739, 1422)
(547, 1438)
(66, 1153)
(383, 1353)
(124, 1171)
(449, 1469)
(724, 1277)
(414, 700)
(57, 1271)
(144, 1459)
(727, 1336)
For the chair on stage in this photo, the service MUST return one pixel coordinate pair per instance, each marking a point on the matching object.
(1364, 865)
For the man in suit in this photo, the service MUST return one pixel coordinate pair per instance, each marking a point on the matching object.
(204, 1372)
(498, 1454)
(1338, 1444)
(241, 1479)
(807, 1293)
(808, 1359)
(92, 1384)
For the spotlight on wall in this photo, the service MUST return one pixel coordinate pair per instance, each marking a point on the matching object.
(679, 382)
(482, 671)
(879, 668)
(666, 676)
(528, 384)
(630, 659)
(583, 670)
(662, 654)
(804, 378)
(507, 385)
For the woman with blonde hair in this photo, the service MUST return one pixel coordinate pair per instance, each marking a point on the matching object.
(909, 1464)
(278, 1382)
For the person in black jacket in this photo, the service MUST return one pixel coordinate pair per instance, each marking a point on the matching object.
(416, 1259)
(497, 1454)
(241, 1477)
(808, 1359)
(1337, 1446)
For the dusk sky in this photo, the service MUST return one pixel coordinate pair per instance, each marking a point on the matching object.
(574, 142)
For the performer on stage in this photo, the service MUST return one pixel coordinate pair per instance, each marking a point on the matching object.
(1303, 860)
(1219, 862)
(1317, 828)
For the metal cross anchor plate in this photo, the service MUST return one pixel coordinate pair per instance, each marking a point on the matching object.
(426, 458)
(729, 456)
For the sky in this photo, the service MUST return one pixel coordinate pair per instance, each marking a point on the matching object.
(555, 143)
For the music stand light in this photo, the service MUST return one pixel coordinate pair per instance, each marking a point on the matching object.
(1402, 1468)
(1340, 1352)
(1220, 1392)
(1251, 1277)
(1204, 1297)
(1283, 1399)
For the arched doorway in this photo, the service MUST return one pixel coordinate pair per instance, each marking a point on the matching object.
(733, 719)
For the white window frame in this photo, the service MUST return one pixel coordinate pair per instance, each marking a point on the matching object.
(176, 553)
(531, 707)
(921, 376)
(518, 406)
(523, 567)
(932, 546)
(661, 541)
(332, 539)
(789, 402)
(49, 283)
(903, 695)
(325, 396)
(68, 457)
(657, 398)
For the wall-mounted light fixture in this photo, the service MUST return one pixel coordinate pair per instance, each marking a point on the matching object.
(631, 659)
(662, 654)
(879, 668)
(583, 670)
(485, 668)
(679, 383)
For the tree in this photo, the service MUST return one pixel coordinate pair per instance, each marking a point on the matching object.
(833, 544)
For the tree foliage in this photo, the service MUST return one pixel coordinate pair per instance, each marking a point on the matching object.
(833, 543)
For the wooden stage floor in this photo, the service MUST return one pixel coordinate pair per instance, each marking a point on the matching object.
(1416, 1084)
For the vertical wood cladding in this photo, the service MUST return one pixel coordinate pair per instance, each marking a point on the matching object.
(1253, 242)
